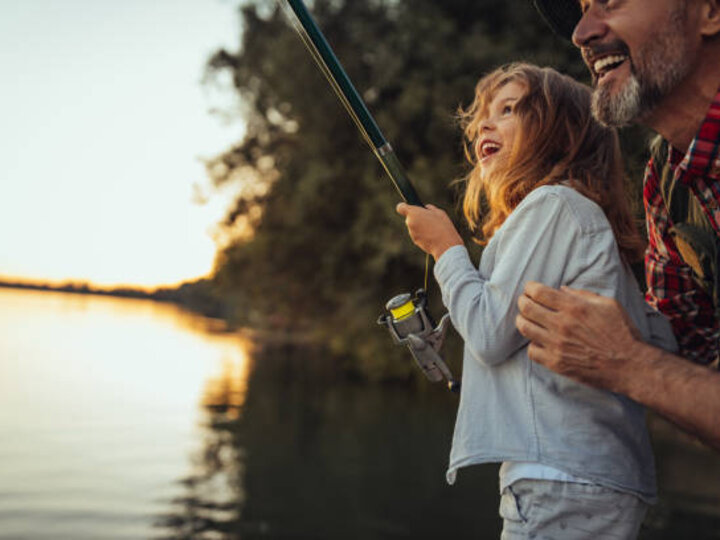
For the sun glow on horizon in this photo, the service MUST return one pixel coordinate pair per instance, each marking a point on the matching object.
(41, 282)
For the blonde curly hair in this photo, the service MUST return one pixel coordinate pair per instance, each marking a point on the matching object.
(559, 141)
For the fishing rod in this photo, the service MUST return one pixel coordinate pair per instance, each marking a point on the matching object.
(331, 67)
(405, 316)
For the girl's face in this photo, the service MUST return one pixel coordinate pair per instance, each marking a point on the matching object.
(497, 130)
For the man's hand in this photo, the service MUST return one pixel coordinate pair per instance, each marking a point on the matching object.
(430, 228)
(585, 336)
(591, 339)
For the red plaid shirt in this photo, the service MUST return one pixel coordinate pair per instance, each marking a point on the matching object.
(671, 287)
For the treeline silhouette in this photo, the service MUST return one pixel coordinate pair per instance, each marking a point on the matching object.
(201, 295)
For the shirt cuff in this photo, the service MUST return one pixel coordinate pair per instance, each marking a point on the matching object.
(453, 258)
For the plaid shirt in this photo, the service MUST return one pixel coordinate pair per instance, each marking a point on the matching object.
(671, 286)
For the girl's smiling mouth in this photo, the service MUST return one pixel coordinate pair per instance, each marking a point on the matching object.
(488, 148)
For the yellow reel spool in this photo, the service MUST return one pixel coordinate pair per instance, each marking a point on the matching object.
(403, 311)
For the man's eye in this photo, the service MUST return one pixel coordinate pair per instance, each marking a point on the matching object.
(605, 4)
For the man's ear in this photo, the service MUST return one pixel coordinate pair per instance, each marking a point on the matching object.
(710, 22)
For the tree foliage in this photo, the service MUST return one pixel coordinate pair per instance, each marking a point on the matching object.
(316, 244)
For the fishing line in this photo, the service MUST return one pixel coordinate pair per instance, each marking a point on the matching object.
(317, 57)
(301, 20)
(321, 51)
(406, 317)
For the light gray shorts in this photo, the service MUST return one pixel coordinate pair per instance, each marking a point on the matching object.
(545, 509)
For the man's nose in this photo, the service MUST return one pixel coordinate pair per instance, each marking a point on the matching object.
(590, 27)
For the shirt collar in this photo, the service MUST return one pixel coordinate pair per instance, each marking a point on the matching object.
(703, 155)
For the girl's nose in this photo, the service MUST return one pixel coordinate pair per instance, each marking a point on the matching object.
(486, 124)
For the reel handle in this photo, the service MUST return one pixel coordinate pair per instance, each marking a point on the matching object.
(409, 324)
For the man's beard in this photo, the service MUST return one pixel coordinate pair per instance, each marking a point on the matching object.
(621, 109)
(661, 65)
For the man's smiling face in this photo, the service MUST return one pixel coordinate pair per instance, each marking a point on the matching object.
(637, 52)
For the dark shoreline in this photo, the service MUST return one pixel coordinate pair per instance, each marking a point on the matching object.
(198, 296)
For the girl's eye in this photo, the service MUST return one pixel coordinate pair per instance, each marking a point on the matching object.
(507, 109)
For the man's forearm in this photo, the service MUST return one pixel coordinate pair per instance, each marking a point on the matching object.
(687, 394)
(591, 339)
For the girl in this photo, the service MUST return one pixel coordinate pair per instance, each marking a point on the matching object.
(576, 462)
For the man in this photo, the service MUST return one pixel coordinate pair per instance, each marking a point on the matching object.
(654, 62)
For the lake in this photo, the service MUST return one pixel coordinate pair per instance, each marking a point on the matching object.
(133, 419)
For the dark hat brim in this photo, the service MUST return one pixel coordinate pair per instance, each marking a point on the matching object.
(561, 15)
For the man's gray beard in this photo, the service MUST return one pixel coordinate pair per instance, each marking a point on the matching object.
(619, 110)
(665, 65)
(641, 93)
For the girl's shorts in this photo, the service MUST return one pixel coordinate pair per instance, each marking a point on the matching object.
(546, 509)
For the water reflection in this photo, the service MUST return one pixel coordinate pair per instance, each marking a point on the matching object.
(99, 410)
(306, 455)
(689, 483)
(213, 492)
(130, 419)
(225, 393)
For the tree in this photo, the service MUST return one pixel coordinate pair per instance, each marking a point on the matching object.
(317, 245)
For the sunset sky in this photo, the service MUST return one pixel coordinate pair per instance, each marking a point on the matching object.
(103, 123)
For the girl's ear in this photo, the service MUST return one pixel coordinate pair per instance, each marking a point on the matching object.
(710, 23)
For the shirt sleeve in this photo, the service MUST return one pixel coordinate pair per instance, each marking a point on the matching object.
(536, 242)
(671, 288)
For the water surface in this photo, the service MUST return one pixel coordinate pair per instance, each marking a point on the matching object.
(133, 419)
(100, 410)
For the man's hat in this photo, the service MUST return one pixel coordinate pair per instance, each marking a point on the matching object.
(561, 15)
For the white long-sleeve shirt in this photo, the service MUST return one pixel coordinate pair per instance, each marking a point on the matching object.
(512, 409)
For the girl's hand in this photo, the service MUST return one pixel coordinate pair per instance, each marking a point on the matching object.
(430, 228)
